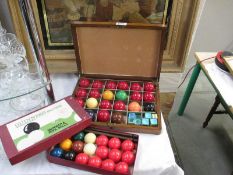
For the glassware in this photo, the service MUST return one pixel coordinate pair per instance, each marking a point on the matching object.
(22, 87)
(17, 48)
(6, 58)
(4, 53)
(2, 30)
(7, 39)
(9, 76)
(27, 83)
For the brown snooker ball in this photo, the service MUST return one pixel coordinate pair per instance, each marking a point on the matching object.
(78, 146)
(117, 118)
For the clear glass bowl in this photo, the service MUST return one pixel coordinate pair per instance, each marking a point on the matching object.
(7, 38)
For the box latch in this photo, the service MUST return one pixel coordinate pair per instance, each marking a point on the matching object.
(121, 24)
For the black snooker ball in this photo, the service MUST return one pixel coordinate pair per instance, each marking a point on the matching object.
(31, 127)
(149, 106)
(92, 114)
(70, 155)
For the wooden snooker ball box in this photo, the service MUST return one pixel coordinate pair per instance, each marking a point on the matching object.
(114, 107)
(119, 67)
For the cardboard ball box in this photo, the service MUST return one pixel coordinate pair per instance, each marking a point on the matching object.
(62, 160)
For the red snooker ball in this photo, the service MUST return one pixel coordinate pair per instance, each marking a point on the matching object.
(149, 86)
(136, 96)
(115, 155)
(101, 140)
(94, 93)
(148, 97)
(108, 165)
(97, 84)
(110, 85)
(128, 157)
(103, 116)
(80, 101)
(105, 104)
(127, 145)
(114, 143)
(122, 167)
(84, 83)
(94, 161)
(123, 85)
(102, 152)
(81, 93)
(119, 105)
(82, 158)
(136, 87)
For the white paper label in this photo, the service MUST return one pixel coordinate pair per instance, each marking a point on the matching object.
(42, 124)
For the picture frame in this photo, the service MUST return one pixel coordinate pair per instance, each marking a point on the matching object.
(55, 16)
(181, 23)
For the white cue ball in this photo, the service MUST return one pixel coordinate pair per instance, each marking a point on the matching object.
(89, 149)
(90, 138)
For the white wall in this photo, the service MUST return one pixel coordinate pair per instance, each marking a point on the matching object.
(170, 81)
(214, 32)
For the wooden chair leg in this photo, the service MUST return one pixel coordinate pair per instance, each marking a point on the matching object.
(212, 111)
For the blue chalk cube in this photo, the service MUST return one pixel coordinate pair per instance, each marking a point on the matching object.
(145, 121)
(132, 115)
(130, 121)
(148, 115)
(153, 122)
(131, 118)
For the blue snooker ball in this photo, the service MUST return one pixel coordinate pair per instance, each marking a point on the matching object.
(57, 152)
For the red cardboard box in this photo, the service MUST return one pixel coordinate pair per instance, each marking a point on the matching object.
(39, 130)
(99, 131)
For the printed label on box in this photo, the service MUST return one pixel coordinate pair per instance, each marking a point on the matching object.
(42, 124)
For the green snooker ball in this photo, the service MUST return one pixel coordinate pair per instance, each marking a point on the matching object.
(79, 136)
(121, 95)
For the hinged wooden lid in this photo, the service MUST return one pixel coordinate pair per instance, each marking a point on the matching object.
(107, 49)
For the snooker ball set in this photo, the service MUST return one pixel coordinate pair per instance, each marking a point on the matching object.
(97, 150)
(129, 103)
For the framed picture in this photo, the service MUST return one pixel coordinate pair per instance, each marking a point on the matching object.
(55, 15)
(52, 22)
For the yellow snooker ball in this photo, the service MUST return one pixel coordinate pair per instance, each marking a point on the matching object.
(108, 95)
(66, 144)
(91, 103)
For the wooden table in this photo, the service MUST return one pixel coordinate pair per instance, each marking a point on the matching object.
(221, 81)
(229, 63)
